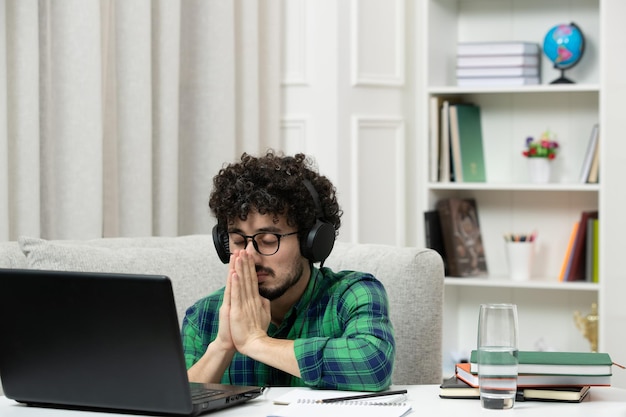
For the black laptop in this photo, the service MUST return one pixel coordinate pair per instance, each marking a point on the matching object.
(99, 341)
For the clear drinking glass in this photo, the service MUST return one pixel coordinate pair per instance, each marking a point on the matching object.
(497, 355)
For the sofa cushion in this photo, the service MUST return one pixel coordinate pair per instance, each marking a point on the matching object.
(413, 279)
(189, 261)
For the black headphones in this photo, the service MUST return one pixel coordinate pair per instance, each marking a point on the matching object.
(315, 246)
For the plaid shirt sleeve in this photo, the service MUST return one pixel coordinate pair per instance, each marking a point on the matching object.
(200, 327)
(354, 348)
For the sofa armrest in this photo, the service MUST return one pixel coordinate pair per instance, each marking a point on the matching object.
(11, 256)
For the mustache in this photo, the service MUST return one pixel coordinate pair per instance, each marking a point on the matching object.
(265, 270)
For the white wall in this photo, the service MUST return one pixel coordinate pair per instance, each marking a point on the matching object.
(347, 100)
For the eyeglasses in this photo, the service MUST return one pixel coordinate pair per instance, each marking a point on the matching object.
(265, 243)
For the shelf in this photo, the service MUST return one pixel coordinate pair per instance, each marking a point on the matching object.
(507, 201)
(513, 187)
(504, 282)
(542, 88)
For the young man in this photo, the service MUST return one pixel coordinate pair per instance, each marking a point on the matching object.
(280, 321)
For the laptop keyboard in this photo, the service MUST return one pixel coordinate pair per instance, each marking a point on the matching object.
(201, 392)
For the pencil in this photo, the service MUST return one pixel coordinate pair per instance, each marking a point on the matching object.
(361, 396)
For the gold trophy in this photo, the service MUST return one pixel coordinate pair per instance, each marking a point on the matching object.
(588, 326)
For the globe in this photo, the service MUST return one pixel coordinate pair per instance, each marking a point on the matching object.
(564, 45)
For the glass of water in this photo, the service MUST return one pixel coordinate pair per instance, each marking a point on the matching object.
(497, 355)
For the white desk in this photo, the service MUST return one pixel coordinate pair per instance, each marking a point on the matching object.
(602, 401)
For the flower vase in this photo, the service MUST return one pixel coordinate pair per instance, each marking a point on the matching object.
(539, 170)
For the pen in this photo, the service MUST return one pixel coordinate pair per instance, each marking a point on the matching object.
(358, 397)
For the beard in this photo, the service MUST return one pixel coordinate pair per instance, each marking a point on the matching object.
(291, 279)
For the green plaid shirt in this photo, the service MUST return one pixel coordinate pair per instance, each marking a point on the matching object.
(343, 336)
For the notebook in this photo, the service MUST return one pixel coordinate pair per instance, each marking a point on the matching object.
(302, 402)
(99, 341)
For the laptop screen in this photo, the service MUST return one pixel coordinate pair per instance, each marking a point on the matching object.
(92, 340)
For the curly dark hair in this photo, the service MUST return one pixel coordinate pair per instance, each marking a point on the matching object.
(273, 184)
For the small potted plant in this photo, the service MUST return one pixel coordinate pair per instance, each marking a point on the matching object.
(539, 153)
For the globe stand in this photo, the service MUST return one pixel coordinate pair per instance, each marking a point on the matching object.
(562, 79)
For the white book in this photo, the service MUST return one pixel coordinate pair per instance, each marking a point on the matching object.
(498, 72)
(444, 146)
(589, 154)
(498, 61)
(497, 48)
(595, 164)
(497, 81)
(455, 144)
(434, 130)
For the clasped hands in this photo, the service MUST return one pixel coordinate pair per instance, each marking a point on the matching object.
(244, 316)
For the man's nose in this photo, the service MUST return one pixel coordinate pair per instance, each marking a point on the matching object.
(250, 248)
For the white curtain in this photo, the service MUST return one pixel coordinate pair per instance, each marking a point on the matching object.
(116, 114)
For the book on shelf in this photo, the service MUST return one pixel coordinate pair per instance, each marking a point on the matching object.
(496, 81)
(577, 268)
(538, 380)
(466, 140)
(444, 143)
(434, 132)
(595, 164)
(462, 237)
(567, 258)
(590, 250)
(557, 363)
(498, 48)
(444, 170)
(477, 72)
(594, 269)
(498, 61)
(455, 145)
(455, 388)
(592, 149)
(433, 235)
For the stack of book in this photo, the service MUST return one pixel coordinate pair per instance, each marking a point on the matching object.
(542, 376)
(455, 387)
(498, 63)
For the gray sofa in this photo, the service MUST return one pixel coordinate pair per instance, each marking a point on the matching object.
(412, 277)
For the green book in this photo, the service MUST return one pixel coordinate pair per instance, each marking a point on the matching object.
(594, 269)
(467, 143)
(558, 363)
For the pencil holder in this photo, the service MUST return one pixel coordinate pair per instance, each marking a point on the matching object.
(520, 259)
